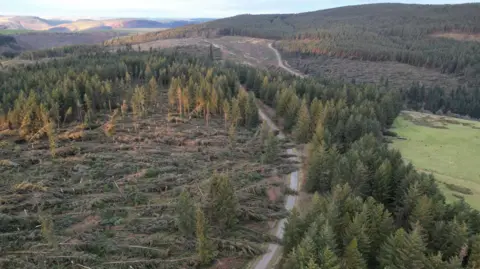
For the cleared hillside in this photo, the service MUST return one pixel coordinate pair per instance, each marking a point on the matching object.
(378, 32)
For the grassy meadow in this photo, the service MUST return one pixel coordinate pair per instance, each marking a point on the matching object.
(446, 147)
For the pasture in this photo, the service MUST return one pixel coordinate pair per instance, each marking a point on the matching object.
(446, 147)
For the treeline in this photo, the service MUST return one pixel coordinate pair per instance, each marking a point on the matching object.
(461, 101)
(371, 209)
(445, 55)
(82, 88)
(6, 40)
(61, 52)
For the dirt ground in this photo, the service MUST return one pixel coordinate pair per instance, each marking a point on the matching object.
(110, 201)
(251, 51)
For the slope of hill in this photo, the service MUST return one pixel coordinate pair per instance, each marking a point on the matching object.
(62, 25)
(411, 34)
(23, 22)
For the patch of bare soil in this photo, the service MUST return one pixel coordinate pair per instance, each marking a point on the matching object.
(250, 51)
(459, 36)
(109, 202)
(399, 75)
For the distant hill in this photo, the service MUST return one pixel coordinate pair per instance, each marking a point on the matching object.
(24, 23)
(61, 25)
(418, 35)
(377, 19)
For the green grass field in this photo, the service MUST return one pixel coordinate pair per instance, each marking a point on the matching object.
(449, 148)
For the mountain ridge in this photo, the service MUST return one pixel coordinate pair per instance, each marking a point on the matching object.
(40, 24)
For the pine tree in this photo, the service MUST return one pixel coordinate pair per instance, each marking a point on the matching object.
(152, 92)
(224, 203)
(294, 230)
(226, 112)
(329, 260)
(403, 250)
(138, 102)
(291, 114)
(352, 259)
(302, 130)
(235, 112)
(317, 176)
(251, 112)
(312, 265)
(316, 113)
(186, 214)
(474, 256)
(205, 250)
(382, 183)
(271, 148)
(172, 92)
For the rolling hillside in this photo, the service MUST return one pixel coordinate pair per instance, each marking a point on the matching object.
(39, 24)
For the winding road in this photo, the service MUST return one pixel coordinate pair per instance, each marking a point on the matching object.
(280, 63)
(274, 249)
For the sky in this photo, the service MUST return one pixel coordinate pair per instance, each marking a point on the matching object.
(176, 8)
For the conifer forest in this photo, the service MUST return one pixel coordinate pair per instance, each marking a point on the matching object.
(116, 157)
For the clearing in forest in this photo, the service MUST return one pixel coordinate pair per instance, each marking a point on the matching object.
(446, 147)
(112, 202)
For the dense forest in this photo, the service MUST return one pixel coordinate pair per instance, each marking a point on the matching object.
(8, 46)
(370, 209)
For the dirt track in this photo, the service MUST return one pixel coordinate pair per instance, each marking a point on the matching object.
(274, 249)
(280, 63)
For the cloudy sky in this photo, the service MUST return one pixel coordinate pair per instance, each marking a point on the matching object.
(176, 8)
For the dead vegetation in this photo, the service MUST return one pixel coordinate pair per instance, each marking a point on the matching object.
(400, 76)
(106, 198)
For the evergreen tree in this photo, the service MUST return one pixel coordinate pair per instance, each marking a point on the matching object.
(403, 250)
(271, 148)
(352, 259)
(205, 250)
(474, 253)
(186, 214)
(224, 203)
(152, 92)
(251, 112)
(293, 231)
(302, 130)
(318, 177)
(226, 112)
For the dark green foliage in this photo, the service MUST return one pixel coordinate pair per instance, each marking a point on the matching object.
(294, 230)
(352, 258)
(303, 128)
(224, 204)
(186, 214)
(271, 148)
(204, 245)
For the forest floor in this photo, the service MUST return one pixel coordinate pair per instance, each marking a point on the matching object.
(444, 146)
(109, 202)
